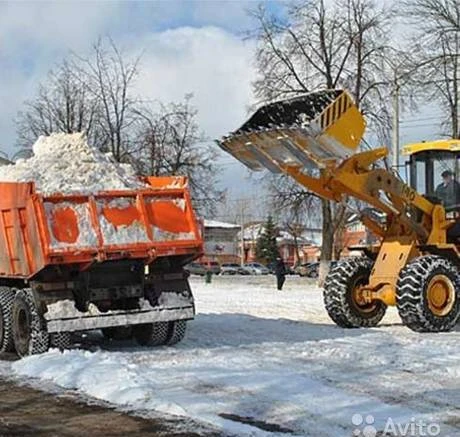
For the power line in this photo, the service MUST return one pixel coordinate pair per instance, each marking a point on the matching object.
(420, 125)
(416, 120)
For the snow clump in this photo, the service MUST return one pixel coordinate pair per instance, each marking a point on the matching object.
(66, 163)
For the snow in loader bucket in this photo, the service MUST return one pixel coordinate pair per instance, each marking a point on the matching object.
(306, 131)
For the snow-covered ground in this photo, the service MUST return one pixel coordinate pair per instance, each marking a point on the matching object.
(257, 361)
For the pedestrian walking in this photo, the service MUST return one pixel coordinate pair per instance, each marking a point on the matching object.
(280, 272)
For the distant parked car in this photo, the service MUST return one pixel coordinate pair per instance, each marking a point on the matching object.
(230, 269)
(195, 269)
(311, 269)
(289, 270)
(256, 269)
(304, 268)
(200, 268)
(212, 266)
(271, 267)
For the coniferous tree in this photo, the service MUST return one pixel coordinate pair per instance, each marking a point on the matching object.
(266, 247)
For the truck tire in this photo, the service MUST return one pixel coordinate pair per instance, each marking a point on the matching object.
(152, 334)
(61, 340)
(428, 294)
(340, 287)
(117, 333)
(6, 305)
(176, 332)
(29, 329)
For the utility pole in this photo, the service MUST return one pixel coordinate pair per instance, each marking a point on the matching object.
(395, 133)
(242, 233)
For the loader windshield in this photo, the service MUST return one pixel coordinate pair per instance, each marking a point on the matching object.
(435, 174)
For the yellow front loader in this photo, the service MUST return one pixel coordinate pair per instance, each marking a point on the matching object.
(315, 138)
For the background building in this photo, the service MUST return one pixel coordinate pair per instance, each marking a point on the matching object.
(308, 244)
(221, 241)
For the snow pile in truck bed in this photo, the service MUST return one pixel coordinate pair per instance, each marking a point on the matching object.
(66, 163)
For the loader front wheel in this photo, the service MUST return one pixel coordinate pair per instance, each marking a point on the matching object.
(343, 298)
(29, 330)
(428, 294)
(6, 305)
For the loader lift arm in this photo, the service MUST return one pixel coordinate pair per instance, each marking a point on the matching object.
(382, 189)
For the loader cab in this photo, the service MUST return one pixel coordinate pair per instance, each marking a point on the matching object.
(429, 165)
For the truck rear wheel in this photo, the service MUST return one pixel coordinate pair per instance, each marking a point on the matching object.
(61, 340)
(151, 334)
(117, 333)
(342, 295)
(428, 294)
(160, 333)
(6, 305)
(176, 332)
(29, 330)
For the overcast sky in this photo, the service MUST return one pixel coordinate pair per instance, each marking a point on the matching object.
(187, 46)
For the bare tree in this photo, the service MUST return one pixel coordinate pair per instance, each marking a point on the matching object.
(320, 46)
(292, 207)
(435, 51)
(171, 143)
(62, 104)
(94, 94)
(109, 77)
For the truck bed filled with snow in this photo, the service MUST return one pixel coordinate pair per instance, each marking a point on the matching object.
(66, 163)
(258, 362)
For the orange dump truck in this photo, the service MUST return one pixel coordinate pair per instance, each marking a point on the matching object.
(111, 260)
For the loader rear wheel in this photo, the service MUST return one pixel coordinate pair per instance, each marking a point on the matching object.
(6, 333)
(29, 330)
(343, 297)
(428, 294)
(151, 334)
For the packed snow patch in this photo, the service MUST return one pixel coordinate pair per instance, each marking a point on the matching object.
(125, 234)
(258, 362)
(66, 163)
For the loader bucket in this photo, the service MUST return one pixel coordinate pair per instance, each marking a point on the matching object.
(305, 131)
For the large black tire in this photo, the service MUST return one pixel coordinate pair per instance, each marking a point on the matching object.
(428, 294)
(6, 305)
(339, 299)
(117, 333)
(61, 340)
(176, 332)
(29, 328)
(161, 333)
(151, 334)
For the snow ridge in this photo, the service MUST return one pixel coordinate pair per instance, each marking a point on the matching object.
(66, 163)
